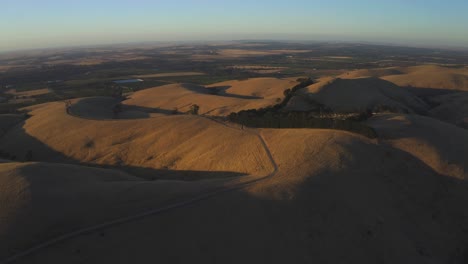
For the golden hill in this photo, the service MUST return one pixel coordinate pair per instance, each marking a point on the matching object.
(318, 195)
(354, 95)
(336, 197)
(440, 145)
(425, 76)
(174, 142)
(216, 99)
(40, 201)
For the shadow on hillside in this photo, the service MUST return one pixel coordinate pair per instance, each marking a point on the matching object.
(387, 206)
(355, 213)
(43, 153)
(218, 91)
(428, 92)
(383, 205)
(61, 212)
(147, 110)
(390, 128)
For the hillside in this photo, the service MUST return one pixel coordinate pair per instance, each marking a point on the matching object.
(452, 108)
(424, 76)
(440, 145)
(181, 188)
(354, 95)
(174, 143)
(216, 99)
(7, 121)
(39, 201)
(336, 197)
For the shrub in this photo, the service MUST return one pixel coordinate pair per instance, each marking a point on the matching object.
(194, 109)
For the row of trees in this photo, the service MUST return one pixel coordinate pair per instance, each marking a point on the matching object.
(303, 120)
(323, 117)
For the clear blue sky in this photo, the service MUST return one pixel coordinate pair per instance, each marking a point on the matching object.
(51, 23)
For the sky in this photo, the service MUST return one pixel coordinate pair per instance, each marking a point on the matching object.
(28, 24)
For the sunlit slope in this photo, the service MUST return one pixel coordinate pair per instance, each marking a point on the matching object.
(267, 88)
(442, 146)
(175, 142)
(424, 76)
(430, 76)
(355, 95)
(216, 99)
(336, 198)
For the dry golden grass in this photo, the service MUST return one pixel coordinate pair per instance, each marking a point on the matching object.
(39, 201)
(241, 95)
(30, 93)
(431, 76)
(177, 143)
(354, 95)
(440, 145)
(367, 73)
(267, 88)
(336, 196)
(425, 76)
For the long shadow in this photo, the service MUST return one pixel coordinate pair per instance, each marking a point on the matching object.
(218, 91)
(428, 92)
(57, 219)
(43, 153)
(380, 206)
(375, 207)
(148, 110)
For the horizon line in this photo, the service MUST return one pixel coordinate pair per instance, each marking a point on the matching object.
(280, 40)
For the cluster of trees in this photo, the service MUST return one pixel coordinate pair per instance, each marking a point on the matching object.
(289, 93)
(269, 119)
(323, 117)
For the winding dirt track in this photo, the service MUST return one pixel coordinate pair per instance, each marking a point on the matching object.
(154, 211)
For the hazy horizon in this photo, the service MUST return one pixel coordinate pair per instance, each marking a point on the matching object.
(28, 24)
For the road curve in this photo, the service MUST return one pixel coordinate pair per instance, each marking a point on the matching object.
(155, 211)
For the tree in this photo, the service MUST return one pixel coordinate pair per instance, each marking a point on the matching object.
(194, 109)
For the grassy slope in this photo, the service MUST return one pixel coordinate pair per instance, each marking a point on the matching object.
(177, 142)
(337, 197)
